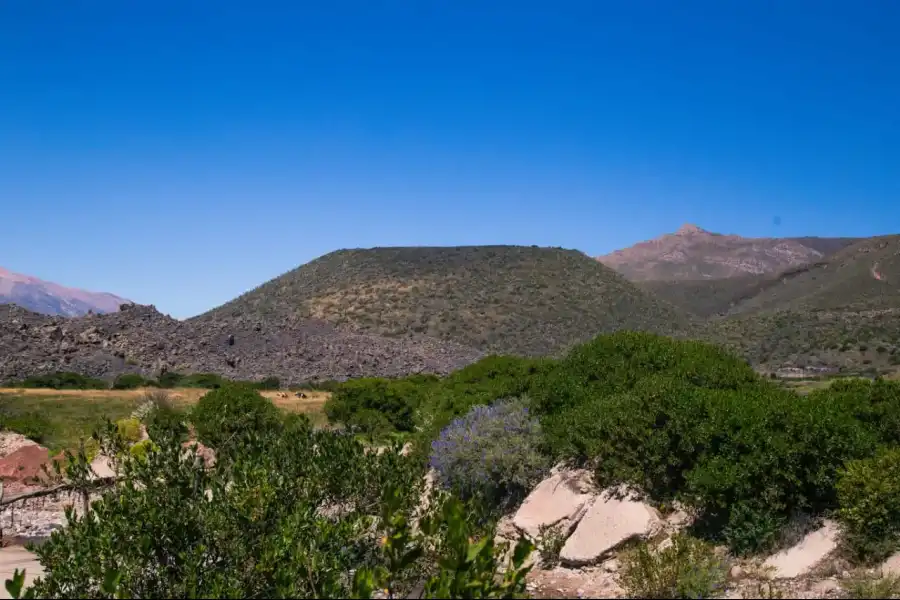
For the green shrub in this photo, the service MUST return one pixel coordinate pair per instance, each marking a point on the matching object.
(231, 413)
(31, 424)
(615, 363)
(170, 379)
(129, 429)
(867, 586)
(129, 381)
(207, 381)
(874, 403)
(377, 405)
(142, 448)
(63, 380)
(745, 459)
(270, 383)
(297, 513)
(550, 542)
(869, 495)
(688, 568)
(492, 454)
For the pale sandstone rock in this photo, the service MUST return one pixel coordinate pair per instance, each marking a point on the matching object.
(102, 467)
(807, 554)
(608, 522)
(558, 500)
(892, 565)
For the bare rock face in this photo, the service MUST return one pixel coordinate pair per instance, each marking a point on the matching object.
(800, 559)
(608, 523)
(559, 500)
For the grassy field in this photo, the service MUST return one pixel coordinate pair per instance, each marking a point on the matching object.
(60, 418)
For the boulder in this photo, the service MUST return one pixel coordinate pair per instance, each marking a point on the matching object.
(609, 522)
(25, 464)
(892, 565)
(805, 555)
(11, 441)
(102, 468)
(560, 499)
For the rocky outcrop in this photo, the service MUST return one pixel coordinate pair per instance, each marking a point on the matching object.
(803, 557)
(609, 522)
(559, 500)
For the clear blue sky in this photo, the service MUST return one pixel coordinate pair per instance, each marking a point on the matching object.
(179, 153)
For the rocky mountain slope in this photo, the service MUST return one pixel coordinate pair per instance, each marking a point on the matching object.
(141, 339)
(53, 299)
(504, 299)
(692, 253)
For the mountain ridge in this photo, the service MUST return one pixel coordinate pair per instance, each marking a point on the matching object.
(693, 253)
(47, 297)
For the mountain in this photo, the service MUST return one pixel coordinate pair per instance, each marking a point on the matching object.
(692, 253)
(501, 299)
(53, 299)
(841, 311)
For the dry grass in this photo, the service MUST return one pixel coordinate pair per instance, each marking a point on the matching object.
(288, 401)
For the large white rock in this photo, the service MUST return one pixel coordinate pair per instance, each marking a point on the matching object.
(608, 522)
(809, 552)
(892, 565)
(558, 500)
(102, 467)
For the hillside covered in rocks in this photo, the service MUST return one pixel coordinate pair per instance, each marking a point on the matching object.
(140, 339)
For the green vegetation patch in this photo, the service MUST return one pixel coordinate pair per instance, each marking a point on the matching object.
(59, 422)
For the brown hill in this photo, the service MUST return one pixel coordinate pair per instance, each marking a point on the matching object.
(53, 299)
(505, 299)
(142, 340)
(692, 253)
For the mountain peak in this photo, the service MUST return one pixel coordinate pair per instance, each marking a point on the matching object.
(690, 229)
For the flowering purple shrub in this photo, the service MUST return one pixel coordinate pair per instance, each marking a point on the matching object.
(492, 453)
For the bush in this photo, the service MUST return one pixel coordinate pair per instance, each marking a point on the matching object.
(688, 568)
(491, 454)
(615, 363)
(869, 495)
(63, 380)
(869, 586)
(745, 455)
(207, 381)
(140, 450)
(170, 379)
(129, 429)
(31, 424)
(269, 383)
(298, 513)
(230, 413)
(377, 405)
(129, 381)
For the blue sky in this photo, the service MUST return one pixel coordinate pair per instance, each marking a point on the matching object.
(181, 153)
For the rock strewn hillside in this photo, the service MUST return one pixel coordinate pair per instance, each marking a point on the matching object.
(53, 299)
(504, 299)
(140, 339)
(692, 253)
